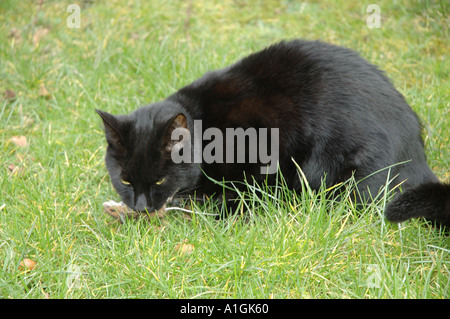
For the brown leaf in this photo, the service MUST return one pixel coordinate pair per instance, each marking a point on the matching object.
(15, 34)
(39, 34)
(185, 248)
(15, 170)
(43, 92)
(27, 265)
(10, 95)
(27, 121)
(20, 141)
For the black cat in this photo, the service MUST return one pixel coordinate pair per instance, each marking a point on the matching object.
(320, 105)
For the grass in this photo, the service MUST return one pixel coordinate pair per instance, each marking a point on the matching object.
(126, 54)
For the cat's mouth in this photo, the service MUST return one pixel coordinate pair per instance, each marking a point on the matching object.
(122, 212)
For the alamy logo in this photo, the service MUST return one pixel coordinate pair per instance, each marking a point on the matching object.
(73, 20)
(374, 278)
(373, 20)
(237, 146)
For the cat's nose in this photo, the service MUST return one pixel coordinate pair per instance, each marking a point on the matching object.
(141, 203)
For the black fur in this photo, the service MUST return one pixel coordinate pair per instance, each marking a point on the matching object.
(337, 115)
(430, 200)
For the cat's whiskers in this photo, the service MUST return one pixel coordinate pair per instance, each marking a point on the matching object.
(187, 190)
(171, 197)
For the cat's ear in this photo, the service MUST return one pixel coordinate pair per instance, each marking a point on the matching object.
(113, 129)
(172, 136)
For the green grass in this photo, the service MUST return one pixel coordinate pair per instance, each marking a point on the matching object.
(127, 54)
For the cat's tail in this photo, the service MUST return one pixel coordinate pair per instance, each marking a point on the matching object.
(430, 200)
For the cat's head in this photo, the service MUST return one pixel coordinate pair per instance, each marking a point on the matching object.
(138, 156)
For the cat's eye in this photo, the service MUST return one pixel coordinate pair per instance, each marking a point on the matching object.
(161, 181)
(124, 182)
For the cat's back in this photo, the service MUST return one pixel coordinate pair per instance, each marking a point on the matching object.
(315, 60)
(299, 69)
(312, 81)
(324, 80)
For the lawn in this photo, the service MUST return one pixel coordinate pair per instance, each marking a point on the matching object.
(129, 53)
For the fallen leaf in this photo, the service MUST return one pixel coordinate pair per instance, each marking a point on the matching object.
(39, 34)
(20, 141)
(10, 95)
(15, 170)
(27, 121)
(185, 248)
(135, 36)
(43, 92)
(27, 265)
(15, 34)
